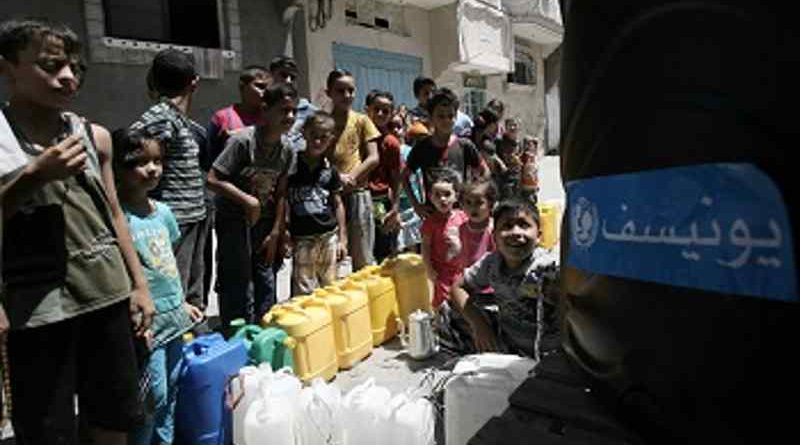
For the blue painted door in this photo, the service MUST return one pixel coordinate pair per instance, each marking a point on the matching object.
(382, 70)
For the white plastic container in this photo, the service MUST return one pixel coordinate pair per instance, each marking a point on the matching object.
(410, 421)
(245, 390)
(319, 417)
(479, 390)
(364, 414)
(271, 417)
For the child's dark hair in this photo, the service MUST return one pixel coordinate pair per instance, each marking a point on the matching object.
(172, 71)
(421, 82)
(16, 35)
(277, 92)
(513, 206)
(442, 97)
(283, 63)
(445, 174)
(485, 117)
(375, 94)
(335, 75)
(497, 106)
(251, 72)
(487, 186)
(319, 119)
(128, 146)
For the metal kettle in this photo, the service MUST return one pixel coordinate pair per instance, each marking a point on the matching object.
(420, 341)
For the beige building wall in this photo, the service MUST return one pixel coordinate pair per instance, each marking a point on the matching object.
(524, 102)
(319, 44)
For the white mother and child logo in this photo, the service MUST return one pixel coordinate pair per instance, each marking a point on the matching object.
(584, 222)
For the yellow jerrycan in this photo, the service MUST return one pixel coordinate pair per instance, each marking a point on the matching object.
(411, 283)
(308, 321)
(383, 310)
(349, 307)
(549, 221)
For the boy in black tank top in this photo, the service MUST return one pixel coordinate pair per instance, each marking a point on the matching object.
(72, 281)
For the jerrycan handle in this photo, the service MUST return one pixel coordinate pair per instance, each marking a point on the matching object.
(231, 400)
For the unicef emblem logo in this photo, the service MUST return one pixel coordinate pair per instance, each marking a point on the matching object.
(584, 223)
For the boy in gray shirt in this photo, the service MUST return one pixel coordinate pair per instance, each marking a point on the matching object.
(524, 279)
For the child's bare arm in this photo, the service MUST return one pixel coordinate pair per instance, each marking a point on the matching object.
(270, 244)
(220, 185)
(57, 162)
(140, 301)
(482, 333)
(341, 224)
(361, 171)
(426, 256)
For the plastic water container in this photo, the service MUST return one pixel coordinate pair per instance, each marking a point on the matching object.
(308, 321)
(383, 310)
(411, 283)
(267, 345)
(365, 414)
(244, 391)
(410, 421)
(549, 220)
(479, 390)
(271, 417)
(319, 415)
(349, 306)
(200, 415)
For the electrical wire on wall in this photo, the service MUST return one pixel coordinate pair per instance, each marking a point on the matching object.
(318, 16)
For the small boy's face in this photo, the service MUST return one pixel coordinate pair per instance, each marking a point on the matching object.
(443, 118)
(253, 90)
(425, 94)
(343, 92)
(281, 114)
(443, 196)
(44, 74)
(516, 235)
(477, 206)
(397, 127)
(380, 111)
(146, 172)
(318, 139)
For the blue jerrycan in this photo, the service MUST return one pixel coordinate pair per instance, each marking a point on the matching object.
(201, 417)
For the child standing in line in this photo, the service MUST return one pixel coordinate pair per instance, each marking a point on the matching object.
(409, 237)
(73, 286)
(354, 155)
(316, 212)
(525, 281)
(250, 214)
(441, 245)
(509, 171)
(154, 230)
(478, 199)
(384, 181)
(442, 149)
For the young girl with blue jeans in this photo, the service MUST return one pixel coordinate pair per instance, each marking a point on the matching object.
(137, 166)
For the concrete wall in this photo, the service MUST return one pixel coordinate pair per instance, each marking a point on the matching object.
(444, 38)
(115, 94)
(526, 103)
(319, 44)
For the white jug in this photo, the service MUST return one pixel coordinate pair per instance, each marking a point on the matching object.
(365, 411)
(411, 421)
(479, 390)
(319, 416)
(270, 418)
(244, 390)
